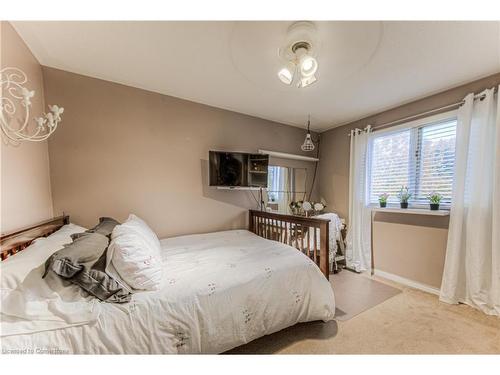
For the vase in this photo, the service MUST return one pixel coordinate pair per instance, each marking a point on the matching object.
(404, 204)
(383, 204)
(434, 206)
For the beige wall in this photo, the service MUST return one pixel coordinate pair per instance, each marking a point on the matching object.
(25, 182)
(413, 248)
(121, 150)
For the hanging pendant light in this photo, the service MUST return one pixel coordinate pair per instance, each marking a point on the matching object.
(308, 144)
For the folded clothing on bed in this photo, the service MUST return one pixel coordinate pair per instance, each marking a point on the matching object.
(83, 263)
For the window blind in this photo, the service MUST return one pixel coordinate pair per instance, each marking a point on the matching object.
(435, 161)
(390, 161)
(421, 158)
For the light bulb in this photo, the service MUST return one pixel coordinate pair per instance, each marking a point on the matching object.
(306, 81)
(308, 65)
(286, 74)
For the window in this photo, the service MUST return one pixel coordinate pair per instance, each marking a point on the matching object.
(279, 188)
(273, 181)
(421, 158)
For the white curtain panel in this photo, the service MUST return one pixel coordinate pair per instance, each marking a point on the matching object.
(472, 266)
(358, 250)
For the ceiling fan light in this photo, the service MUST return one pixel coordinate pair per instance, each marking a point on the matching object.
(286, 74)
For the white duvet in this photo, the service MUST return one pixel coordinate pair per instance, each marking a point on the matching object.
(221, 290)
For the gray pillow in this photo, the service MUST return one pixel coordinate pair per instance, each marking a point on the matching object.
(83, 263)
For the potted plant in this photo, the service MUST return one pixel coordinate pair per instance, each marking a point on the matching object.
(434, 200)
(382, 199)
(404, 196)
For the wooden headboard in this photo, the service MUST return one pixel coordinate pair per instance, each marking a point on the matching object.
(16, 241)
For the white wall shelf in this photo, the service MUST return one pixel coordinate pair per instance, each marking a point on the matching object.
(413, 211)
(285, 155)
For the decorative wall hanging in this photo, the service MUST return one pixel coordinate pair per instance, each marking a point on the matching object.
(15, 103)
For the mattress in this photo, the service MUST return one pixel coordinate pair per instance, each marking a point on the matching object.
(220, 290)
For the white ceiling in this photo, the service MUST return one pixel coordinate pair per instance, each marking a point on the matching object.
(364, 67)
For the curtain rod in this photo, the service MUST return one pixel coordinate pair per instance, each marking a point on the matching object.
(449, 106)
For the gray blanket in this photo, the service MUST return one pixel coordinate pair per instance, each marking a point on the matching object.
(83, 263)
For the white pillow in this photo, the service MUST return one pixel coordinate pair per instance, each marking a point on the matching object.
(141, 226)
(134, 255)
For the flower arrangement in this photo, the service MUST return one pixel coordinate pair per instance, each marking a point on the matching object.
(297, 207)
(404, 196)
(382, 199)
(434, 200)
(319, 206)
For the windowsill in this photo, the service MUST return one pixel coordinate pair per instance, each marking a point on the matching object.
(413, 211)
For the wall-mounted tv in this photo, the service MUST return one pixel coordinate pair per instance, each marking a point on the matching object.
(237, 170)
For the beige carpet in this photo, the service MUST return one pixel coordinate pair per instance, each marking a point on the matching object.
(355, 294)
(411, 322)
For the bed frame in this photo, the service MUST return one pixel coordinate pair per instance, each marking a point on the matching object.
(13, 242)
(297, 231)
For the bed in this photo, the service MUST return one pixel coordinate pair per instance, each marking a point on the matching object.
(220, 290)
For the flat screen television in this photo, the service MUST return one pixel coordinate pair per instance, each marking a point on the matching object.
(237, 169)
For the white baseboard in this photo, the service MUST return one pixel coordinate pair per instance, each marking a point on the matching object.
(407, 282)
